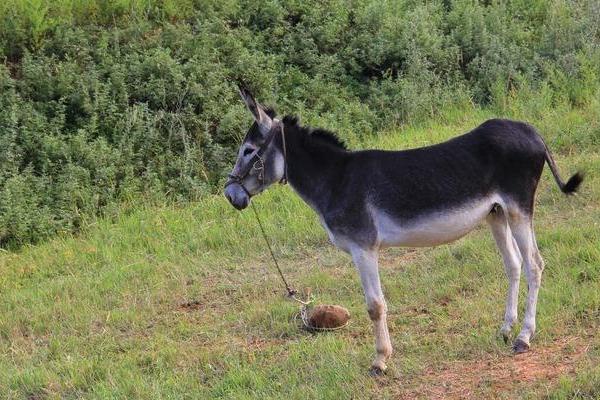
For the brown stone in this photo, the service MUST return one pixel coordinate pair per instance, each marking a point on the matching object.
(328, 316)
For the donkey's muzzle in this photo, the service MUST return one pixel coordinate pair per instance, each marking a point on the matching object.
(237, 195)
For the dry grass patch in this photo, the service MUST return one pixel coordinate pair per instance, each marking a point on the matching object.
(497, 374)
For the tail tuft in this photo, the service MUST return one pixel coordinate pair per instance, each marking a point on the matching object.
(572, 184)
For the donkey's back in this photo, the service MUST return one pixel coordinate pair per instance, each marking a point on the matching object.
(436, 194)
(499, 156)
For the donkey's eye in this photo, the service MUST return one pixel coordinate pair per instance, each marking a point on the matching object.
(248, 151)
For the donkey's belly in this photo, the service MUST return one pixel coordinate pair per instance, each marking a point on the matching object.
(434, 228)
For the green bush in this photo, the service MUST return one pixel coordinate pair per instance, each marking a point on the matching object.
(104, 102)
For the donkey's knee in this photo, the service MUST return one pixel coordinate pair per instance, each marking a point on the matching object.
(534, 274)
(376, 309)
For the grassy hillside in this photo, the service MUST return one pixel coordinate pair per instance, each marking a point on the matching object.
(181, 302)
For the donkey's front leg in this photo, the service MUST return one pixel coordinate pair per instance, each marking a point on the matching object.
(366, 262)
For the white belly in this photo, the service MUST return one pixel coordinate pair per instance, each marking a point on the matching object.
(435, 228)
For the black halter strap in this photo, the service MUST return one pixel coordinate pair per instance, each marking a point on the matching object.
(284, 178)
(257, 163)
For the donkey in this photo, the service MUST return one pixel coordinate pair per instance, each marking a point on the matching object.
(370, 199)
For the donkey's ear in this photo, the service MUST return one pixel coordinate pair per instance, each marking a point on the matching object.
(258, 112)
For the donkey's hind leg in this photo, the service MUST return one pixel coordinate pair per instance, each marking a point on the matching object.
(512, 265)
(521, 226)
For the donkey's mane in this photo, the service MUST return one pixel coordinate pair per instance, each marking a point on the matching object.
(315, 136)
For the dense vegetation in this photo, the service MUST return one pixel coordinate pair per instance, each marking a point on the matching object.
(111, 102)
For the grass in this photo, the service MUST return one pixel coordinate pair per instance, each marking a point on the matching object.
(182, 302)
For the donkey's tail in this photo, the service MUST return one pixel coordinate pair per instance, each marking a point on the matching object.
(574, 181)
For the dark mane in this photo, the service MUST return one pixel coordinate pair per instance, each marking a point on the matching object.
(270, 111)
(328, 137)
(315, 135)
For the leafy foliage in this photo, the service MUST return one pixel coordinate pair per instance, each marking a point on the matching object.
(108, 102)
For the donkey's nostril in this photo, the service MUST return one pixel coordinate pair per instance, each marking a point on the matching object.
(229, 194)
(237, 196)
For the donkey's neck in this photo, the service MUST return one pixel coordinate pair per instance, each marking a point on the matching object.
(314, 168)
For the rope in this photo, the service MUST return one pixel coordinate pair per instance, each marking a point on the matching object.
(291, 292)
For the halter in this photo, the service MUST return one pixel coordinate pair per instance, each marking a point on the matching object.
(258, 164)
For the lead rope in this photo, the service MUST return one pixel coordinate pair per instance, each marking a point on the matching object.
(291, 292)
(303, 314)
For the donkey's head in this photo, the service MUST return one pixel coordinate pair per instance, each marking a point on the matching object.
(260, 161)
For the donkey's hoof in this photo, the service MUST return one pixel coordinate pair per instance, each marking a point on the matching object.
(520, 347)
(505, 337)
(376, 371)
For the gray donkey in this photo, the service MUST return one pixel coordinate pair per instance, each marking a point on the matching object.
(427, 196)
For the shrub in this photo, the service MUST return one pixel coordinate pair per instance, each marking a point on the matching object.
(104, 102)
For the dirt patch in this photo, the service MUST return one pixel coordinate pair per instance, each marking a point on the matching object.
(255, 343)
(467, 379)
(394, 258)
(189, 306)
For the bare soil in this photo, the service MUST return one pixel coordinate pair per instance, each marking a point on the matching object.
(498, 374)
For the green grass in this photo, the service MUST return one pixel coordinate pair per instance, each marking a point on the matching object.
(100, 316)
